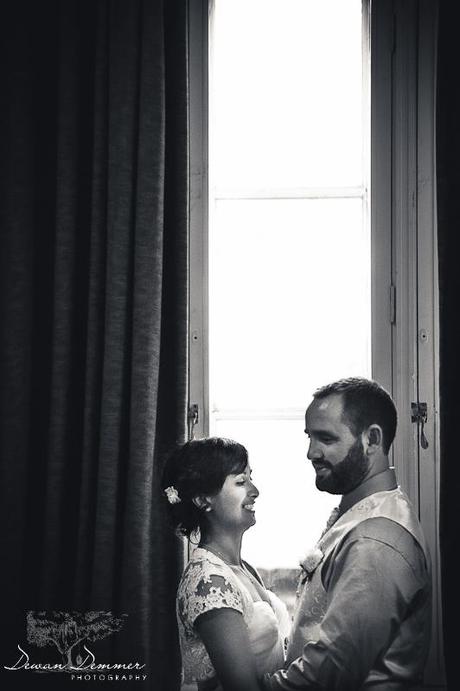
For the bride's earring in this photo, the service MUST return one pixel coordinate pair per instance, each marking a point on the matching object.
(201, 503)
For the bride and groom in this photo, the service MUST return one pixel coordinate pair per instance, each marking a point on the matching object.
(362, 616)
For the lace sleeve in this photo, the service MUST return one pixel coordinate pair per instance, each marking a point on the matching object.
(203, 590)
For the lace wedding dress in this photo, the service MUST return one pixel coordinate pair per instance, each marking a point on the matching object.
(209, 583)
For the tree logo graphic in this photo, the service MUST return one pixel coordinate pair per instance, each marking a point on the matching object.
(66, 630)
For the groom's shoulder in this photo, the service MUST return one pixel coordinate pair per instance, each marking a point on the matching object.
(380, 528)
(380, 531)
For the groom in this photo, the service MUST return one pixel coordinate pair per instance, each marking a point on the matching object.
(363, 615)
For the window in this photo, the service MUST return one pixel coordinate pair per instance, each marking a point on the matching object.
(310, 243)
(289, 241)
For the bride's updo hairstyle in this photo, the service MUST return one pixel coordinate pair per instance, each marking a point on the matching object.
(199, 468)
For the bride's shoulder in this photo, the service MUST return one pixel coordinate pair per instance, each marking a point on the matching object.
(205, 585)
(202, 566)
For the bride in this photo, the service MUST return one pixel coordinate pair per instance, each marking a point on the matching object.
(231, 628)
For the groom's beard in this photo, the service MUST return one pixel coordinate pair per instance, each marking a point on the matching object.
(346, 475)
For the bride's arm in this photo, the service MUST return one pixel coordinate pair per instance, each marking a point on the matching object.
(225, 636)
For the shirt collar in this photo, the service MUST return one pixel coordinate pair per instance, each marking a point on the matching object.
(385, 480)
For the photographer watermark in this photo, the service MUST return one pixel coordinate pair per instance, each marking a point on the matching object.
(71, 633)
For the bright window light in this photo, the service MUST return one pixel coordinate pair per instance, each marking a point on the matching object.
(289, 243)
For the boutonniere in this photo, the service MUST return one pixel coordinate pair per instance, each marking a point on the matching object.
(309, 563)
(311, 560)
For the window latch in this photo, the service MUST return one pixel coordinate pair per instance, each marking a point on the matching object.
(419, 414)
(193, 419)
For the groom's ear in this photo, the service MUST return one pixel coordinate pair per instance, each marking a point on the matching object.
(373, 438)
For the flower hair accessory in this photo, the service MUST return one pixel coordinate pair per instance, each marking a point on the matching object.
(172, 495)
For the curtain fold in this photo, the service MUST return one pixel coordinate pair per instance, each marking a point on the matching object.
(93, 318)
(448, 194)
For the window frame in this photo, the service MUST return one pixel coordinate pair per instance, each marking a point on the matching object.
(200, 17)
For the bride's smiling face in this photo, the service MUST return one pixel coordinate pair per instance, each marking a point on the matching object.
(233, 506)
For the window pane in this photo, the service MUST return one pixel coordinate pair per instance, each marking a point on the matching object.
(290, 300)
(286, 93)
(289, 278)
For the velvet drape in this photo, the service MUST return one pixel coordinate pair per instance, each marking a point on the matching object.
(93, 318)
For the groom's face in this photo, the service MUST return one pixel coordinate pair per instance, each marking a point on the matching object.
(336, 454)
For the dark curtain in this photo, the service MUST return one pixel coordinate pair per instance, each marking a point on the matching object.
(93, 315)
(448, 174)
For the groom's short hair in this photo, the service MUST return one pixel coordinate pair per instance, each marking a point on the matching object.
(365, 403)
